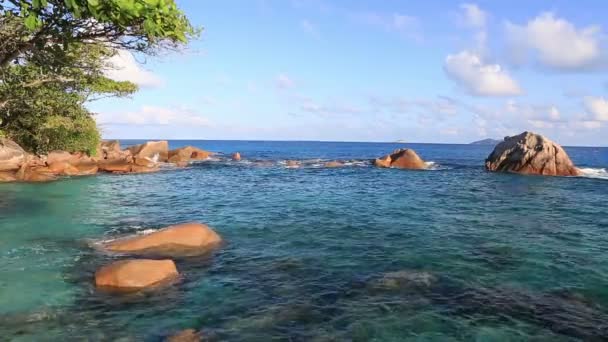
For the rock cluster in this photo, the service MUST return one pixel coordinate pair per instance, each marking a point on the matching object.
(531, 154)
(18, 165)
(130, 275)
(401, 159)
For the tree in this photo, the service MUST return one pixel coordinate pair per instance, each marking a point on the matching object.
(53, 54)
(43, 98)
(136, 25)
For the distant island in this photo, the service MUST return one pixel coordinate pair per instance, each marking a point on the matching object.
(486, 142)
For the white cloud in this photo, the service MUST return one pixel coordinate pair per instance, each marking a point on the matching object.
(405, 25)
(556, 43)
(467, 69)
(152, 115)
(473, 16)
(597, 107)
(284, 82)
(123, 67)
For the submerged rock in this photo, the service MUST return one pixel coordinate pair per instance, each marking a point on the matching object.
(533, 154)
(135, 275)
(236, 156)
(11, 155)
(152, 150)
(188, 335)
(401, 159)
(187, 239)
(404, 280)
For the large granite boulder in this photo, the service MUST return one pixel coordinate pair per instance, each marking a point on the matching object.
(533, 154)
(8, 176)
(187, 239)
(188, 335)
(333, 164)
(157, 151)
(135, 275)
(187, 153)
(115, 166)
(31, 172)
(110, 150)
(401, 159)
(11, 155)
(236, 156)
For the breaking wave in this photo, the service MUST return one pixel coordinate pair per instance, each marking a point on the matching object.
(598, 173)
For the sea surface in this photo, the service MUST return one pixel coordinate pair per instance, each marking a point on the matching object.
(356, 253)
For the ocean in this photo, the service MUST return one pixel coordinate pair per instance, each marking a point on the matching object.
(356, 253)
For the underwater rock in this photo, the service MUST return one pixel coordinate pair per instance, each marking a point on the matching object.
(404, 280)
(531, 154)
(188, 335)
(401, 159)
(187, 239)
(11, 155)
(134, 275)
(236, 156)
(152, 150)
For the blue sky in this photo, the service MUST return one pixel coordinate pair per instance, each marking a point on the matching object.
(432, 71)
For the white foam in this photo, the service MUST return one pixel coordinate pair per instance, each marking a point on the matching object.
(598, 173)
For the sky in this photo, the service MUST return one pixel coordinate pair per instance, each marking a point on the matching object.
(347, 70)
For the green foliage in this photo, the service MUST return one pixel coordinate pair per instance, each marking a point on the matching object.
(53, 54)
(43, 99)
(136, 25)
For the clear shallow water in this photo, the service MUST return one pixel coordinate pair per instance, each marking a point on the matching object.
(511, 257)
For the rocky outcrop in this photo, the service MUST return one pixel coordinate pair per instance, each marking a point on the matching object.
(236, 156)
(293, 163)
(188, 153)
(531, 154)
(401, 159)
(11, 155)
(135, 275)
(157, 151)
(187, 239)
(8, 176)
(110, 150)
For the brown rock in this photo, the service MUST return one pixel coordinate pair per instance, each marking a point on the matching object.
(63, 168)
(236, 156)
(87, 169)
(58, 157)
(401, 159)
(292, 163)
(121, 166)
(180, 240)
(135, 275)
(110, 149)
(188, 335)
(188, 153)
(7, 176)
(533, 154)
(29, 173)
(332, 164)
(11, 155)
(143, 162)
(153, 150)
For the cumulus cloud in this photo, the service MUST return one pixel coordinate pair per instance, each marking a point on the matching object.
(284, 82)
(123, 67)
(468, 70)
(597, 107)
(152, 115)
(555, 42)
(473, 16)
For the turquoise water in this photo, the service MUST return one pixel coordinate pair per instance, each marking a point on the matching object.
(507, 257)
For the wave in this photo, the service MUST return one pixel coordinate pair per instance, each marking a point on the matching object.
(598, 173)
